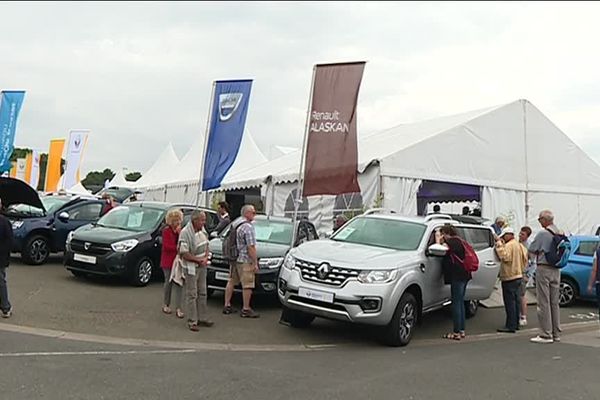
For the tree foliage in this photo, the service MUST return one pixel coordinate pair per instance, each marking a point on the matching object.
(97, 178)
(133, 176)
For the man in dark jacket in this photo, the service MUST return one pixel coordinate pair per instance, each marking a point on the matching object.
(6, 239)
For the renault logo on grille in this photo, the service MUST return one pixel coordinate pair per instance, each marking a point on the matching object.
(322, 271)
(87, 245)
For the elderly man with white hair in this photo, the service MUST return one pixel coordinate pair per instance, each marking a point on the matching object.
(547, 278)
(498, 225)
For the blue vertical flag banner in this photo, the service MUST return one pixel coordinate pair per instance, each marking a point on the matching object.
(10, 105)
(227, 122)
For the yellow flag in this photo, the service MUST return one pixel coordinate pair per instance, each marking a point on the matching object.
(28, 165)
(53, 164)
(13, 169)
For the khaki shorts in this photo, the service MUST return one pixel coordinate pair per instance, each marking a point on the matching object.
(242, 273)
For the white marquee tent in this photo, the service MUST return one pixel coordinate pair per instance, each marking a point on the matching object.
(180, 182)
(520, 160)
(161, 171)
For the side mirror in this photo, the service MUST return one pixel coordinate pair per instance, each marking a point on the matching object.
(63, 216)
(437, 250)
(158, 241)
(214, 235)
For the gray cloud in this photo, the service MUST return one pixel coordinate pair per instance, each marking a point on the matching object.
(139, 74)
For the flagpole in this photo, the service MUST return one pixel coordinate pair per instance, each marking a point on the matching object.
(302, 159)
(206, 133)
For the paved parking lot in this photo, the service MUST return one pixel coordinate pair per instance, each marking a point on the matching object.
(50, 297)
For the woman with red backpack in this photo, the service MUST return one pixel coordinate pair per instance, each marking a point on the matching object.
(457, 276)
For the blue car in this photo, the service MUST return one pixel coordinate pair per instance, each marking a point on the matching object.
(574, 277)
(41, 225)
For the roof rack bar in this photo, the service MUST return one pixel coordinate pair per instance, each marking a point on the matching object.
(431, 217)
(379, 211)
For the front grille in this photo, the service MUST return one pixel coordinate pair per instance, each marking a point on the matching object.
(219, 260)
(94, 249)
(336, 276)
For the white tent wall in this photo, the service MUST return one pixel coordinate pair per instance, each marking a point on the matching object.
(576, 214)
(509, 204)
(400, 194)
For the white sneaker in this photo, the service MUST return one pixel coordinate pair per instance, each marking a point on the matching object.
(556, 339)
(539, 339)
(523, 322)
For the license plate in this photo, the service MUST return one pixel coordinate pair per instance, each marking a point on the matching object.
(85, 259)
(315, 295)
(222, 276)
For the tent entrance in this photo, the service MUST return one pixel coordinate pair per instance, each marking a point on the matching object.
(440, 192)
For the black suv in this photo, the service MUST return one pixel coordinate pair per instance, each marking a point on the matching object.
(125, 242)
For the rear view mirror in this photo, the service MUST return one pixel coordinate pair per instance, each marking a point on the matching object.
(63, 216)
(437, 250)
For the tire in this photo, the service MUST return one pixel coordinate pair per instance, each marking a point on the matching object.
(400, 329)
(296, 319)
(78, 274)
(471, 307)
(142, 272)
(36, 250)
(568, 292)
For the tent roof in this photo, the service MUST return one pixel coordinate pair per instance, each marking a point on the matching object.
(496, 146)
(161, 170)
(188, 169)
(119, 179)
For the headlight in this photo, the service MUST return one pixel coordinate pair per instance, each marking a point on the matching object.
(17, 224)
(377, 276)
(124, 246)
(70, 237)
(270, 263)
(289, 262)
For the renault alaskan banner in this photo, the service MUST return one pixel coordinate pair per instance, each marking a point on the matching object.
(75, 148)
(227, 121)
(10, 105)
(331, 159)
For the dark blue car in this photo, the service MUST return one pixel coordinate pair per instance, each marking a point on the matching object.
(38, 232)
(574, 277)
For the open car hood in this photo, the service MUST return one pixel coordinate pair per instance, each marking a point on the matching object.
(15, 191)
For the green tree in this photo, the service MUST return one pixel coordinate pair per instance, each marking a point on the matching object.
(97, 178)
(133, 176)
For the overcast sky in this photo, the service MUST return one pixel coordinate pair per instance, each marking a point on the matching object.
(139, 74)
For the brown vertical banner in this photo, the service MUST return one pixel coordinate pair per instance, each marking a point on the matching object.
(331, 161)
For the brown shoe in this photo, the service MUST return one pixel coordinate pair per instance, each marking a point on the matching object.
(194, 327)
(250, 313)
(207, 323)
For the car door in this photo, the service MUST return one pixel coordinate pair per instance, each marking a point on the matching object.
(484, 279)
(435, 291)
(78, 215)
(580, 265)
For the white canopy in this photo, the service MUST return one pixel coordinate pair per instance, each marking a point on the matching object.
(79, 189)
(519, 158)
(119, 180)
(162, 169)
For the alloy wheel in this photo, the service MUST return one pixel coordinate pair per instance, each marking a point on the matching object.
(407, 321)
(145, 271)
(567, 293)
(39, 250)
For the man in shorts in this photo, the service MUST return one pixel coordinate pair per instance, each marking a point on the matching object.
(246, 266)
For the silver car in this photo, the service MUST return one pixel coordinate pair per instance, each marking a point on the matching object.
(380, 269)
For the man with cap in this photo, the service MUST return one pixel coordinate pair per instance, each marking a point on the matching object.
(514, 260)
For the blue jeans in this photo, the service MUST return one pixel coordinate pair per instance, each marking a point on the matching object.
(4, 303)
(457, 291)
(512, 302)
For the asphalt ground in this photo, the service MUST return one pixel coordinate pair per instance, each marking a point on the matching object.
(49, 297)
(511, 368)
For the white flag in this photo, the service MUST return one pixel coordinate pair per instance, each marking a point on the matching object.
(21, 168)
(75, 148)
(34, 178)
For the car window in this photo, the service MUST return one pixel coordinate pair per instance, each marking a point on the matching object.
(86, 212)
(587, 248)
(480, 239)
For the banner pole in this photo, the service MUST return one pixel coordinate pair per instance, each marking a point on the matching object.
(206, 133)
(302, 159)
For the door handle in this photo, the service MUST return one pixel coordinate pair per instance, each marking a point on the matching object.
(490, 263)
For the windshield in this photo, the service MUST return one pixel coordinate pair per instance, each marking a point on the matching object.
(136, 219)
(392, 234)
(119, 194)
(53, 203)
(24, 209)
(273, 231)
